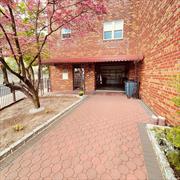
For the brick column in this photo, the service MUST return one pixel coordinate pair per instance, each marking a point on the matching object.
(89, 78)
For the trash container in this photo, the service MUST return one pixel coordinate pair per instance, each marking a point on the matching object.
(130, 88)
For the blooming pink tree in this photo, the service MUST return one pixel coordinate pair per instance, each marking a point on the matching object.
(25, 29)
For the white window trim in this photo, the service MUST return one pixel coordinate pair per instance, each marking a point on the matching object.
(113, 29)
(65, 33)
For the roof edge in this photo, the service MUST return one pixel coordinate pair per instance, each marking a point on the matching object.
(121, 58)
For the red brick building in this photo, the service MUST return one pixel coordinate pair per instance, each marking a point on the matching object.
(137, 39)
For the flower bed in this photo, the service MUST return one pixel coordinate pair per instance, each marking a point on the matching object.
(166, 143)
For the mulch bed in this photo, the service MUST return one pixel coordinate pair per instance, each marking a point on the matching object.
(19, 114)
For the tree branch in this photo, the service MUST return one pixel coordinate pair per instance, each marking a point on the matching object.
(17, 41)
(2, 60)
(4, 14)
(8, 41)
(12, 86)
(51, 32)
(4, 71)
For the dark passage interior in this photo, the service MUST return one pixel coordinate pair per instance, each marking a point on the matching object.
(78, 77)
(110, 76)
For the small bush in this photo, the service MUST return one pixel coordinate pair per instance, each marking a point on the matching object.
(18, 127)
(174, 159)
(169, 140)
(47, 111)
(173, 136)
(176, 101)
(81, 93)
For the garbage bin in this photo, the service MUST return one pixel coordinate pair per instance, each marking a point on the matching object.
(130, 88)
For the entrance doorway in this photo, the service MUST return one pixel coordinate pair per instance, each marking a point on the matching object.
(78, 78)
(110, 76)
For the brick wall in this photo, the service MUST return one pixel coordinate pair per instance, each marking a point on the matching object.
(151, 28)
(66, 86)
(57, 83)
(133, 71)
(158, 37)
(93, 45)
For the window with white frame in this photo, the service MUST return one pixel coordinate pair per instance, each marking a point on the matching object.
(113, 30)
(65, 33)
(65, 74)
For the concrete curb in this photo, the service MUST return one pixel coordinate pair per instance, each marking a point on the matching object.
(37, 130)
(151, 163)
(148, 110)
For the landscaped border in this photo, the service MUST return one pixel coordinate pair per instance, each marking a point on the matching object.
(6, 152)
(166, 170)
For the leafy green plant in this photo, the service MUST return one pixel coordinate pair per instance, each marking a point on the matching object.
(169, 141)
(176, 101)
(173, 136)
(175, 83)
(18, 127)
(47, 111)
(81, 93)
(158, 131)
(174, 159)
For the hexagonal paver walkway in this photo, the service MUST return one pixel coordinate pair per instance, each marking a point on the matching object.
(98, 140)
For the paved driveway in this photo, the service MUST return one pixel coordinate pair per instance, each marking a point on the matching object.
(97, 140)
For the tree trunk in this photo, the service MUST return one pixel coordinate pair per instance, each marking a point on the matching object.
(35, 100)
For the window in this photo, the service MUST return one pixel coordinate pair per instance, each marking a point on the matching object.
(65, 33)
(65, 74)
(113, 30)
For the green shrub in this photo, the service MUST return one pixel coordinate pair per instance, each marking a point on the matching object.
(173, 136)
(159, 133)
(18, 127)
(169, 140)
(81, 93)
(174, 159)
(176, 101)
(176, 85)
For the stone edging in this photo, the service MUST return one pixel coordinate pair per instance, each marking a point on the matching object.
(37, 130)
(166, 170)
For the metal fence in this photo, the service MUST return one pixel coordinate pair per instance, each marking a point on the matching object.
(7, 97)
(44, 86)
